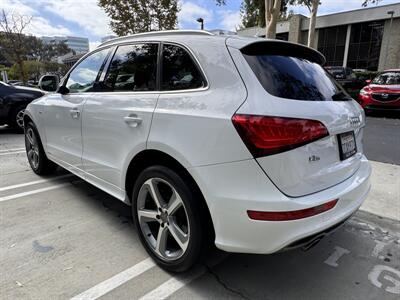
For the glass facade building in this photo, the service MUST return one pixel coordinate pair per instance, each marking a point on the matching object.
(365, 39)
(365, 45)
(331, 43)
(77, 44)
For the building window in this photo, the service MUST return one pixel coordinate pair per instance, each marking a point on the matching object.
(284, 36)
(365, 45)
(331, 43)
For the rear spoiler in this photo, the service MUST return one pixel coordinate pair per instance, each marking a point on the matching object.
(276, 47)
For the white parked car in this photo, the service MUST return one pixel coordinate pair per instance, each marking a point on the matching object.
(242, 141)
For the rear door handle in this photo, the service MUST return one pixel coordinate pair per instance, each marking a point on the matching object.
(75, 113)
(133, 120)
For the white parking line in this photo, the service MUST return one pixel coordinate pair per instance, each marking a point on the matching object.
(115, 281)
(15, 186)
(177, 282)
(49, 188)
(10, 150)
(174, 284)
(15, 152)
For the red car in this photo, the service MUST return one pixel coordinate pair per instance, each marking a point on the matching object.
(382, 93)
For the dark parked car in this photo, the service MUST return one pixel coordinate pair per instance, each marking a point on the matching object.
(382, 93)
(341, 73)
(13, 101)
(347, 79)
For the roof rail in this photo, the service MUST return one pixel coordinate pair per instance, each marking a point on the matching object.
(157, 33)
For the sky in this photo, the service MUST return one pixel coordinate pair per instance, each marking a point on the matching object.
(85, 18)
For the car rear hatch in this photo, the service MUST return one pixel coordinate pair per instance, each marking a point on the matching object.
(302, 128)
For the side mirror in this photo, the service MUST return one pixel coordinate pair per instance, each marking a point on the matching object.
(63, 90)
(368, 81)
(48, 83)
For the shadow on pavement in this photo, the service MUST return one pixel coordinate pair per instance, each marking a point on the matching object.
(9, 130)
(384, 114)
(344, 265)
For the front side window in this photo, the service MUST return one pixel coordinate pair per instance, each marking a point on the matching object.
(295, 78)
(133, 68)
(83, 76)
(387, 78)
(179, 72)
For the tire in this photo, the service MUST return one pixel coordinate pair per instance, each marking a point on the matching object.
(37, 158)
(162, 224)
(17, 118)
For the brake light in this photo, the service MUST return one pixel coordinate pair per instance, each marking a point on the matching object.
(291, 215)
(270, 135)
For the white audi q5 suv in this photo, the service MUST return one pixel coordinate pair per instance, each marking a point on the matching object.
(246, 142)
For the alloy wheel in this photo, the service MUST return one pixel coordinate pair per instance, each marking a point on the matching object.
(163, 219)
(19, 119)
(32, 148)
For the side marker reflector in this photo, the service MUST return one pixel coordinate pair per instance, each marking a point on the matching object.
(291, 215)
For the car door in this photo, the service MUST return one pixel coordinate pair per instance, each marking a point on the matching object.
(63, 112)
(116, 121)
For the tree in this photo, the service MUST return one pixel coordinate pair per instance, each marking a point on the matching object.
(252, 13)
(312, 6)
(49, 51)
(262, 12)
(35, 69)
(134, 16)
(272, 12)
(366, 2)
(12, 39)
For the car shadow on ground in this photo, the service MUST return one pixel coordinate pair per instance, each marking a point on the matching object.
(5, 130)
(384, 114)
(339, 267)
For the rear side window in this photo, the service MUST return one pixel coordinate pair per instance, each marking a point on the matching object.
(179, 72)
(294, 78)
(133, 68)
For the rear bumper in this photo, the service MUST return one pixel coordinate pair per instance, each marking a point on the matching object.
(232, 189)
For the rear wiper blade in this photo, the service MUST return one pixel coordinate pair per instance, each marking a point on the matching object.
(340, 96)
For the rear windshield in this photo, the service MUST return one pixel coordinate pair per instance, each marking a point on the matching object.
(387, 78)
(295, 78)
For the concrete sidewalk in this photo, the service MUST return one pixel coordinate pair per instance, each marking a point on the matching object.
(384, 198)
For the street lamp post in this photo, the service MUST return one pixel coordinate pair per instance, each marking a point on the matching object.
(391, 13)
(201, 21)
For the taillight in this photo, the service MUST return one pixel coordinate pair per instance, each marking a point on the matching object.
(265, 135)
(291, 215)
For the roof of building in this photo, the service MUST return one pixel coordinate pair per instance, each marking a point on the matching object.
(371, 13)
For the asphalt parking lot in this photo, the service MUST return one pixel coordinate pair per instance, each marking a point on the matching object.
(63, 238)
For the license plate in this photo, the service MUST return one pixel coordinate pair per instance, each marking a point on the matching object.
(347, 145)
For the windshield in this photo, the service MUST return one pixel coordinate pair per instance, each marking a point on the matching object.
(387, 78)
(295, 78)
